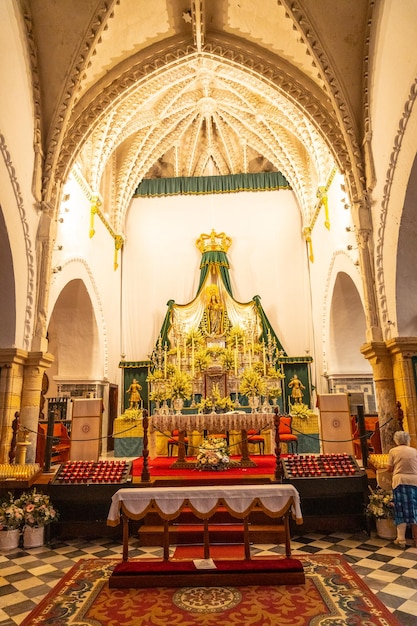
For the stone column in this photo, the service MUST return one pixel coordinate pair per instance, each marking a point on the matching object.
(36, 364)
(379, 357)
(402, 350)
(12, 361)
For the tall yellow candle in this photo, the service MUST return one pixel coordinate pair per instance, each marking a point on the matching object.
(165, 361)
(192, 356)
(178, 356)
(264, 361)
(185, 346)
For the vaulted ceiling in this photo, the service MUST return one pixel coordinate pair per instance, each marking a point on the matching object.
(129, 89)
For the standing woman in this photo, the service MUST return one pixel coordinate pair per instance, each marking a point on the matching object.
(402, 462)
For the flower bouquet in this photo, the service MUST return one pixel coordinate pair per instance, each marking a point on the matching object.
(11, 514)
(213, 455)
(37, 509)
(381, 504)
(298, 409)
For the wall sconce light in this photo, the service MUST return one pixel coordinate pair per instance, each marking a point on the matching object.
(66, 197)
(390, 323)
(58, 248)
(57, 269)
(350, 229)
(61, 220)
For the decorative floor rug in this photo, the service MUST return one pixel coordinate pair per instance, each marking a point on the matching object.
(332, 595)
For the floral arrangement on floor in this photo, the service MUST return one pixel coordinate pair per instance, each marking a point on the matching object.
(213, 454)
(381, 504)
(11, 514)
(132, 415)
(37, 509)
(298, 409)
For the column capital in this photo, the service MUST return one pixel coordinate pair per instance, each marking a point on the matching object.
(405, 346)
(12, 356)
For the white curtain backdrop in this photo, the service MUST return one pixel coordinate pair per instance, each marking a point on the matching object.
(268, 257)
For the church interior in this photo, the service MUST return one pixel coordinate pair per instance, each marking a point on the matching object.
(206, 229)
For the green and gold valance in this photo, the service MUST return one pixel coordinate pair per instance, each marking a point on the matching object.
(262, 181)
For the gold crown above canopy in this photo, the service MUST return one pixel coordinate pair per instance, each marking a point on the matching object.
(214, 241)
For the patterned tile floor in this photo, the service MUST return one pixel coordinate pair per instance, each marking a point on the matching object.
(26, 575)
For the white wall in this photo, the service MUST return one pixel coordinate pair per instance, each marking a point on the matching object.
(267, 258)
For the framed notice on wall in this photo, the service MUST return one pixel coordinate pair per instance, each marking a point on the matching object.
(336, 432)
(86, 429)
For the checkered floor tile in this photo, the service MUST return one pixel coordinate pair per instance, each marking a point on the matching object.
(26, 575)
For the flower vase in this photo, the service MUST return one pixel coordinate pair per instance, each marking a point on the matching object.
(253, 403)
(9, 539)
(386, 529)
(33, 537)
(178, 404)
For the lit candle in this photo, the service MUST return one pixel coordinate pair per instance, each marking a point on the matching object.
(178, 356)
(264, 361)
(185, 346)
(192, 356)
(236, 357)
(165, 361)
(250, 357)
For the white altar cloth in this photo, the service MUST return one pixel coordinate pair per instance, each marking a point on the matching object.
(275, 500)
(212, 422)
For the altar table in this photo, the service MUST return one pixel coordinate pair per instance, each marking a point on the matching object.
(213, 423)
(276, 501)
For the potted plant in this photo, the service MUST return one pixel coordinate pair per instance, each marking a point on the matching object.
(38, 512)
(381, 508)
(11, 522)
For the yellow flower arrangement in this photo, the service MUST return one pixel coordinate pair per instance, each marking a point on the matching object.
(180, 385)
(252, 383)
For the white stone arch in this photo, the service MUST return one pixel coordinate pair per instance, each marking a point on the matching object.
(343, 321)
(395, 238)
(76, 316)
(22, 270)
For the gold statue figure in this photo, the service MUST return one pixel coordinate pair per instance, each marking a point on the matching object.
(296, 387)
(134, 397)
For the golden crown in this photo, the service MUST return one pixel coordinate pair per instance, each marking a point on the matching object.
(214, 241)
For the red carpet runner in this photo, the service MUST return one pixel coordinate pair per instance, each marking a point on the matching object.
(162, 466)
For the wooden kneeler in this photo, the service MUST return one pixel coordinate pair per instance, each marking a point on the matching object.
(239, 573)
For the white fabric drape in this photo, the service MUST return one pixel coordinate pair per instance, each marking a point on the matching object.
(274, 500)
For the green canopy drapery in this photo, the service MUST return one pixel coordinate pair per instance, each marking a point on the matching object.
(219, 259)
(262, 181)
(266, 326)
